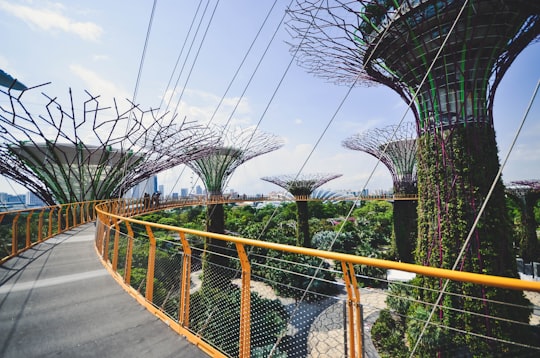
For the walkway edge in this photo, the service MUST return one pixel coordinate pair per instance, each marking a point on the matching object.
(176, 327)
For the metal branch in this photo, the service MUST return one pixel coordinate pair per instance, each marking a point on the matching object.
(396, 148)
(66, 155)
(236, 147)
(301, 185)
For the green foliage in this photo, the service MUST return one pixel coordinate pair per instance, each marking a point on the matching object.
(521, 210)
(169, 221)
(450, 196)
(387, 335)
(537, 214)
(293, 274)
(215, 317)
(399, 298)
(434, 338)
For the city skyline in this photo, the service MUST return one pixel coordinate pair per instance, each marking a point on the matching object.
(85, 47)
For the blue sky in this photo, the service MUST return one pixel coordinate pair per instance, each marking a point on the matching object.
(97, 46)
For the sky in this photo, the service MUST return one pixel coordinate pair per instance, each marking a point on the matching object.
(97, 46)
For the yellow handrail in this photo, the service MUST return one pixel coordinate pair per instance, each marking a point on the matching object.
(34, 225)
(112, 214)
(482, 279)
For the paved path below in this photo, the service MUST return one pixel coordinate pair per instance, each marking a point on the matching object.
(57, 300)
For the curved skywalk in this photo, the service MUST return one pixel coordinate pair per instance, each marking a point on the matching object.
(57, 299)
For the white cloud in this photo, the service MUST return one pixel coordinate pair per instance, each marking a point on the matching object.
(100, 57)
(51, 20)
(200, 106)
(98, 85)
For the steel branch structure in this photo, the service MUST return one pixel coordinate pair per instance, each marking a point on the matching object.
(395, 146)
(446, 59)
(236, 146)
(68, 155)
(301, 187)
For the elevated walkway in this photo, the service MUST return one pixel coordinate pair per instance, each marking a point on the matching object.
(56, 299)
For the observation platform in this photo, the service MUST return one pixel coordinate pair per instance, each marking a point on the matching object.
(57, 299)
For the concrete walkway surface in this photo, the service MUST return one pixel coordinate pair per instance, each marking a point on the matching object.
(57, 300)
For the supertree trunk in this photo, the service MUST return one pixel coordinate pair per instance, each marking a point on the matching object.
(302, 229)
(215, 259)
(448, 58)
(456, 169)
(405, 229)
(525, 194)
(395, 147)
(529, 246)
(301, 187)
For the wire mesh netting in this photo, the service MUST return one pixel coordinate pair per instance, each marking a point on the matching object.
(167, 278)
(139, 264)
(304, 306)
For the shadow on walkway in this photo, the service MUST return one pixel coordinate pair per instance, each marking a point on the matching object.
(56, 299)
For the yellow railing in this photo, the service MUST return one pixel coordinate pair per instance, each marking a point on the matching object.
(250, 307)
(22, 229)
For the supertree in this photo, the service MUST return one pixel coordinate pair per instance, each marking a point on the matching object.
(236, 147)
(446, 58)
(395, 147)
(301, 187)
(67, 155)
(525, 194)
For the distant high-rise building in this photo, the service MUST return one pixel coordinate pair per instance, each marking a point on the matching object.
(184, 192)
(148, 186)
(33, 200)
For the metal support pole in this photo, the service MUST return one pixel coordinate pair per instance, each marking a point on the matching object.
(183, 309)
(151, 265)
(245, 303)
(129, 254)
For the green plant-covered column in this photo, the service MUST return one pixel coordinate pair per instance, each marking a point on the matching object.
(215, 259)
(529, 245)
(456, 169)
(405, 229)
(302, 230)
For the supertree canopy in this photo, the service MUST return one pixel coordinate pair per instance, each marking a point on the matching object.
(67, 155)
(301, 187)
(446, 58)
(236, 147)
(395, 147)
(526, 194)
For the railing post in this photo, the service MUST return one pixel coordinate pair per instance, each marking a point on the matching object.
(50, 226)
(68, 208)
(183, 309)
(81, 213)
(115, 246)
(40, 225)
(245, 303)
(354, 315)
(14, 234)
(151, 265)
(105, 246)
(72, 209)
(28, 232)
(59, 220)
(129, 254)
